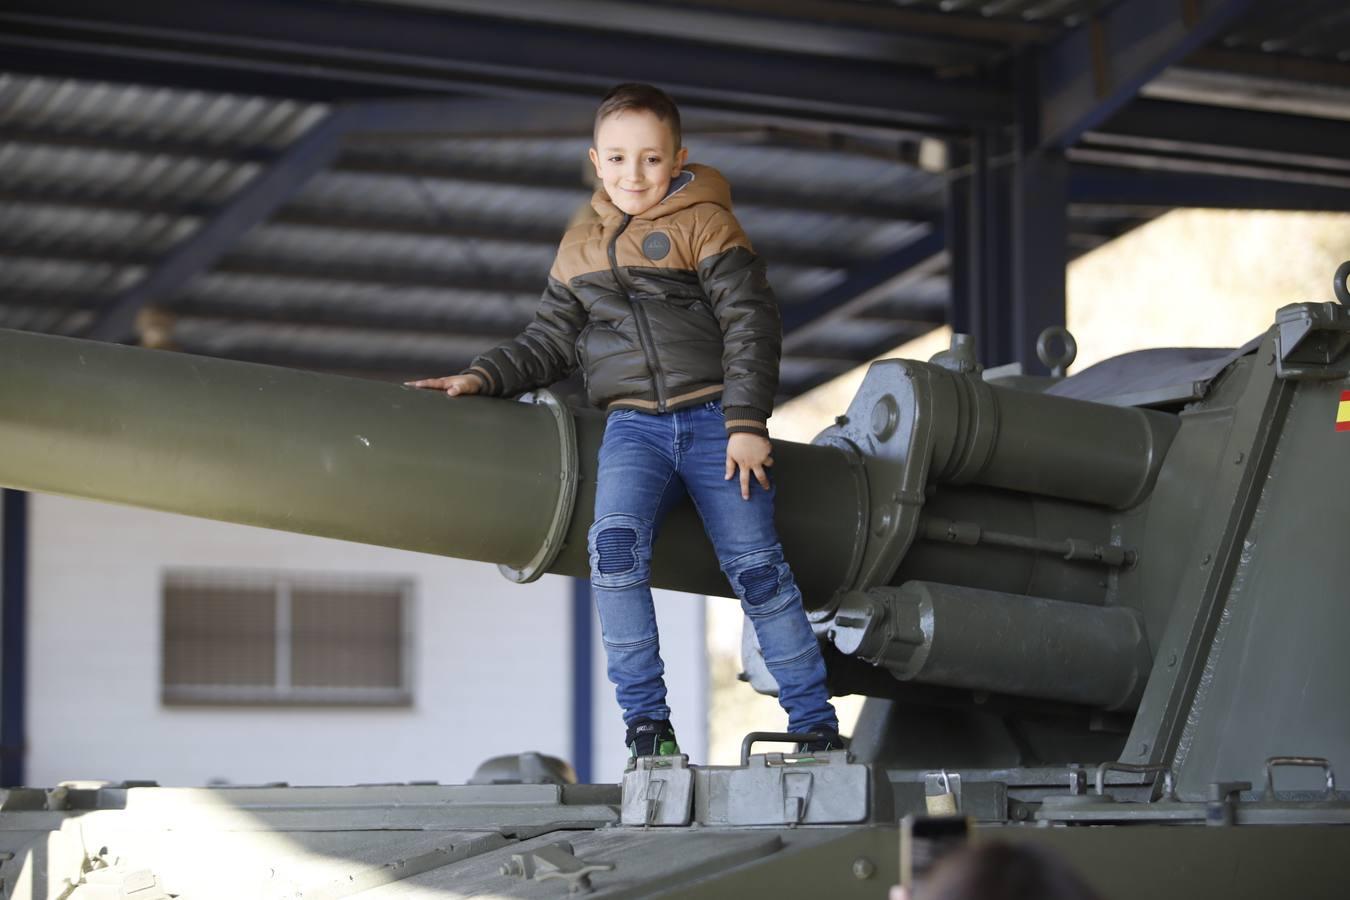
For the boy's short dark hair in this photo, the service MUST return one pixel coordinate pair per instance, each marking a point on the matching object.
(635, 95)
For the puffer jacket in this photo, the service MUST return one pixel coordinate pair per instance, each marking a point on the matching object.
(663, 310)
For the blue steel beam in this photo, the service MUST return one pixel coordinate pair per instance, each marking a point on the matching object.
(355, 47)
(1223, 132)
(881, 35)
(283, 179)
(1094, 70)
(1122, 186)
(865, 278)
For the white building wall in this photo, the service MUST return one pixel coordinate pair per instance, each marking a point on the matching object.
(491, 663)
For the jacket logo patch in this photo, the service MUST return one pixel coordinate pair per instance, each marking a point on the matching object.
(656, 245)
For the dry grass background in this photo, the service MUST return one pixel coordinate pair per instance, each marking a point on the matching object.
(1192, 278)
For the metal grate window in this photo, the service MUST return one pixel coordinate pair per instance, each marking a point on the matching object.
(260, 637)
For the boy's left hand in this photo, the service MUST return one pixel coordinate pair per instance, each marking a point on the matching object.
(751, 453)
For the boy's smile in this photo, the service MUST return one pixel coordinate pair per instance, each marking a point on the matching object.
(635, 159)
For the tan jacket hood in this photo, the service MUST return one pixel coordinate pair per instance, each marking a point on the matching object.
(695, 184)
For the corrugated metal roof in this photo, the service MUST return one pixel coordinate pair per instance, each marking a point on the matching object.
(107, 232)
(218, 120)
(405, 253)
(46, 276)
(453, 238)
(265, 298)
(110, 174)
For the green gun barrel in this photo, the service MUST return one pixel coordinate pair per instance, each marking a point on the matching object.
(357, 460)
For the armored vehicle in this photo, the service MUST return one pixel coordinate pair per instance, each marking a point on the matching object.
(1105, 613)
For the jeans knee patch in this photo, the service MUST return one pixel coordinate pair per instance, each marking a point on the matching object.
(620, 551)
(758, 584)
(614, 546)
(758, 577)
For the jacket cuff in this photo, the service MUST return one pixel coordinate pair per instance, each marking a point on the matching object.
(745, 419)
(490, 382)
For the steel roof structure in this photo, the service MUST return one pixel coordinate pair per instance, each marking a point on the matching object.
(377, 187)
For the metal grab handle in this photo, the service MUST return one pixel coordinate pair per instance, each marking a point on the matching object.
(1316, 762)
(790, 737)
(1340, 283)
(1165, 771)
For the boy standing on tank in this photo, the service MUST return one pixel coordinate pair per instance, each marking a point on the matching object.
(666, 309)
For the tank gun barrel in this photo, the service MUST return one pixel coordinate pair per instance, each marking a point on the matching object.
(356, 460)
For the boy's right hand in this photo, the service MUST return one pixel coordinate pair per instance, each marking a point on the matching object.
(453, 385)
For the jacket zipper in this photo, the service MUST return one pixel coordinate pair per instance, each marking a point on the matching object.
(640, 315)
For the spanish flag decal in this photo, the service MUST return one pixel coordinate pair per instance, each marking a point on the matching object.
(1343, 412)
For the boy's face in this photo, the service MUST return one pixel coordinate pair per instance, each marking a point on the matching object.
(635, 159)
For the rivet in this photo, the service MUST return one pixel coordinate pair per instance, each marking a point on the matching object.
(1171, 660)
(1205, 560)
(1237, 461)
(863, 868)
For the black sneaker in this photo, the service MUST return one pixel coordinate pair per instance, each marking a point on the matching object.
(651, 737)
(826, 740)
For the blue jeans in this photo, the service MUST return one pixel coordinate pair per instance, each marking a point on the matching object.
(647, 462)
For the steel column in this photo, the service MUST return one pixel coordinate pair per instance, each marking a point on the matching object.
(583, 680)
(960, 271)
(1016, 234)
(1040, 237)
(13, 636)
(982, 292)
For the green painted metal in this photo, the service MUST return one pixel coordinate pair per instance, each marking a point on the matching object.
(1274, 675)
(1029, 587)
(993, 641)
(356, 460)
(277, 448)
(1239, 428)
(1172, 863)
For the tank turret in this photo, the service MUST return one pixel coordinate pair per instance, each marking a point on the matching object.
(1138, 570)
